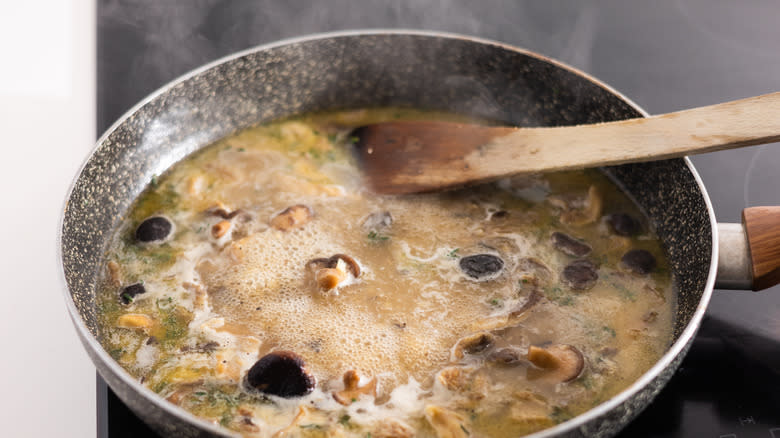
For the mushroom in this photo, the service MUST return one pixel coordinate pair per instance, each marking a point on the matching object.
(473, 344)
(281, 373)
(153, 229)
(378, 221)
(330, 272)
(292, 217)
(556, 363)
(352, 391)
(577, 210)
(391, 428)
(623, 224)
(114, 272)
(481, 266)
(446, 423)
(638, 261)
(134, 320)
(505, 356)
(569, 245)
(220, 228)
(128, 293)
(222, 211)
(580, 275)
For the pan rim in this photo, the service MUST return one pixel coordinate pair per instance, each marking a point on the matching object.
(96, 350)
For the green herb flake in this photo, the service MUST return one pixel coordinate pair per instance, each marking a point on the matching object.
(495, 302)
(154, 182)
(453, 254)
(609, 330)
(344, 420)
(376, 237)
(310, 426)
(354, 139)
(242, 149)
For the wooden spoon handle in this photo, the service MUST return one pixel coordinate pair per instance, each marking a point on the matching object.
(727, 125)
(762, 226)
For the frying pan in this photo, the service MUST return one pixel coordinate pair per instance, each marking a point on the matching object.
(409, 69)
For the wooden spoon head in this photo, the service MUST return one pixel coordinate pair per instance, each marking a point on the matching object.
(421, 156)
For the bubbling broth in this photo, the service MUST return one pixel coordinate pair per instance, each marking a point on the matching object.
(260, 286)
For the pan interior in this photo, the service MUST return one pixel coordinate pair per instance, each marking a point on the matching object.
(353, 71)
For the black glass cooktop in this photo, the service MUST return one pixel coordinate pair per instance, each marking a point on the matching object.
(665, 55)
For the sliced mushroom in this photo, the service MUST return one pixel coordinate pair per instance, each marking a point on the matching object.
(292, 217)
(378, 221)
(539, 271)
(580, 211)
(352, 392)
(569, 245)
(134, 320)
(533, 298)
(391, 428)
(224, 212)
(127, 294)
(114, 272)
(623, 224)
(330, 272)
(639, 261)
(281, 373)
(580, 275)
(453, 378)
(153, 229)
(556, 363)
(220, 228)
(333, 262)
(329, 278)
(505, 356)
(473, 344)
(481, 266)
(446, 423)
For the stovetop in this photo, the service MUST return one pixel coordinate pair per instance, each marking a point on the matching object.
(665, 55)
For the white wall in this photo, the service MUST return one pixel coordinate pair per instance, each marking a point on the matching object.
(47, 85)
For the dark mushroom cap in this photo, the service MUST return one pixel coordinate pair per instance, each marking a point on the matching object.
(480, 266)
(639, 261)
(623, 224)
(569, 245)
(580, 275)
(281, 373)
(152, 229)
(128, 293)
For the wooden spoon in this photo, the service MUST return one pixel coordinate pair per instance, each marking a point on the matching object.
(422, 156)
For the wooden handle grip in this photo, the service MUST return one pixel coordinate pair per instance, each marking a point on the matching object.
(762, 226)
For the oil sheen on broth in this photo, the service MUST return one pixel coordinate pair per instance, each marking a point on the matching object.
(260, 286)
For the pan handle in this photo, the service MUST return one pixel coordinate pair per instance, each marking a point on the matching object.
(750, 251)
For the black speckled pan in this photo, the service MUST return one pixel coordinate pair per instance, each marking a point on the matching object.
(366, 69)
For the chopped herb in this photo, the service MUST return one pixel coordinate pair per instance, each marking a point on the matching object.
(344, 420)
(524, 280)
(609, 330)
(354, 399)
(495, 302)
(127, 298)
(453, 254)
(225, 420)
(466, 431)
(332, 138)
(314, 154)
(116, 353)
(200, 393)
(354, 139)
(559, 414)
(228, 147)
(310, 426)
(376, 237)
(242, 149)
